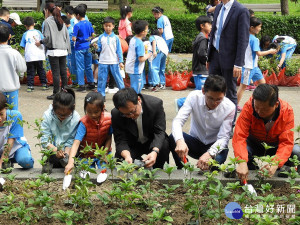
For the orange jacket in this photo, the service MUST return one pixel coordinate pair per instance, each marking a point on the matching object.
(281, 133)
(95, 133)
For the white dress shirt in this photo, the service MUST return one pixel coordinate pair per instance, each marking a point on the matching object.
(227, 9)
(208, 126)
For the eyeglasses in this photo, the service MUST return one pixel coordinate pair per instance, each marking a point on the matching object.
(214, 100)
(130, 113)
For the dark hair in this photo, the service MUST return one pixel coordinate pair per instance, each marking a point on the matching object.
(50, 6)
(202, 20)
(139, 26)
(251, 12)
(155, 32)
(4, 33)
(279, 40)
(66, 20)
(124, 10)
(83, 5)
(266, 93)
(80, 10)
(64, 98)
(263, 40)
(58, 4)
(274, 45)
(128, 38)
(254, 21)
(4, 11)
(94, 98)
(215, 83)
(123, 96)
(28, 21)
(69, 9)
(109, 20)
(157, 9)
(3, 101)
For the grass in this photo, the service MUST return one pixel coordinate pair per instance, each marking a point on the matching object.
(176, 6)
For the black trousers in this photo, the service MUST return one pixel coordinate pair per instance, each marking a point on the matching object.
(139, 149)
(59, 71)
(216, 69)
(32, 68)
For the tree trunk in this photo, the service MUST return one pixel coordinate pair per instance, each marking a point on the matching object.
(123, 3)
(284, 7)
(133, 1)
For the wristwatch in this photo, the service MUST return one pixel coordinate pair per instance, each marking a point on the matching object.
(154, 150)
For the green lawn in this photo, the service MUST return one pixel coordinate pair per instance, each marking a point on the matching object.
(176, 6)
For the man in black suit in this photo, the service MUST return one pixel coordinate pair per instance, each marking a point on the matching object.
(229, 39)
(139, 126)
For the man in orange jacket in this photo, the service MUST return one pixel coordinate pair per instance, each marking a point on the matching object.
(268, 119)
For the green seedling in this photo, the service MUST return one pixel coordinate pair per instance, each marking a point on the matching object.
(126, 168)
(11, 178)
(167, 192)
(189, 167)
(231, 166)
(169, 170)
(46, 178)
(234, 186)
(242, 198)
(64, 216)
(23, 213)
(266, 187)
(111, 164)
(159, 216)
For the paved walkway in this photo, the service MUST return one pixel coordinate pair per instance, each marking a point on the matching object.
(33, 105)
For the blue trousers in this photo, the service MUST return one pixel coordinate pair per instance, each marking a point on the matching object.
(196, 149)
(136, 82)
(162, 69)
(84, 64)
(154, 67)
(12, 99)
(170, 43)
(103, 73)
(199, 81)
(71, 63)
(23, 157)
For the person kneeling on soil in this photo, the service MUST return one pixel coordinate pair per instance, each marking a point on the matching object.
(13, 144)
(268, 119)
(139, 125)
(211, 123)
(59, 127)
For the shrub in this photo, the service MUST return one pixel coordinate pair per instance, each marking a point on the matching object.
(195, 6)
(183, 26)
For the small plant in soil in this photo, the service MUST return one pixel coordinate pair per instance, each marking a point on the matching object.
(64, 216)
(24, 213)
(265, 187)
(126, 168)
(46, 165)
(231, 166)
(159, 216)
(169, 170)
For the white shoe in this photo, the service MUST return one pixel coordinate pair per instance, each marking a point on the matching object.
(2, 181)
(113, 91)
(163, 87)
(83, 174)
(101, 177)
(106, 90)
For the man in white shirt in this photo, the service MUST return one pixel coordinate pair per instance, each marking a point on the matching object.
(211, 121)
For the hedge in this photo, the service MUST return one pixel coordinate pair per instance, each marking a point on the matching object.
(183, 26)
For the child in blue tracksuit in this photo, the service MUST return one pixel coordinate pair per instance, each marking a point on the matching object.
(13, 144)
(71, 61)
(160, 51)
(111, 56)
(82, 33)
(136, 56)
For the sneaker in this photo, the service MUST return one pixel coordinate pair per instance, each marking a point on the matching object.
(113, 91)
(239, 109)
(51, 97)
(90, 86)
(162, 86)
(154, 89)
(45, 87)
(106, 90)
(30, 89)
(73, 86)
(81, 88)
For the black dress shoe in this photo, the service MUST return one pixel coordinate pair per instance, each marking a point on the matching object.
(51, 97)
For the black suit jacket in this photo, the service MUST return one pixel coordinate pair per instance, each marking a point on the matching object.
(234, 38)
(154, 125)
